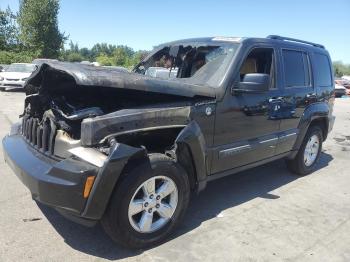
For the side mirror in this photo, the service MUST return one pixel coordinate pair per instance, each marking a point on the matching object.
(253, 83)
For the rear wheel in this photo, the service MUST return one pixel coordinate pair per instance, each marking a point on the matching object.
(309, 152)
(146, 206)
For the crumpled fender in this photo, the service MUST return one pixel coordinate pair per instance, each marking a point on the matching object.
(97, 129)
(193, 137)
(121, 154)
(108, 176)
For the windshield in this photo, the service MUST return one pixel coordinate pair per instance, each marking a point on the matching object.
(204, 64)
(21, 68)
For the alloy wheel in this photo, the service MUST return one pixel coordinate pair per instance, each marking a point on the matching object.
(153, 204)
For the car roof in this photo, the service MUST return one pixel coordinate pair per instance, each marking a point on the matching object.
(203, 40)
(280, 40)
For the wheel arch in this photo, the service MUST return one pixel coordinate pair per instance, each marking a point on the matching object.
(314, 115)
(186, 145)
(120, 159)
(190, 150)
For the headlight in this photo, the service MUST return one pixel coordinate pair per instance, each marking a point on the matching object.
(1, 78)
(24, 79)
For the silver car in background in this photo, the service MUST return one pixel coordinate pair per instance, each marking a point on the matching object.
(15, 75)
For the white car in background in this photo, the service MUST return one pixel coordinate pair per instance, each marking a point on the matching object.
(15, 75)
(161, 72)
(339, 90)
(346, 78)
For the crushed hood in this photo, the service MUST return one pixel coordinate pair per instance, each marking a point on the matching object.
(54, 75)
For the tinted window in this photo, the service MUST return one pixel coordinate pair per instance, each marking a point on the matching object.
(322, 70)
(296, 68)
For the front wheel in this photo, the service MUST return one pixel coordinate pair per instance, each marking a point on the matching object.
(146, 206)
(309, 152)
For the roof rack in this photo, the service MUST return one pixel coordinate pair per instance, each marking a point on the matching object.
(282, 38)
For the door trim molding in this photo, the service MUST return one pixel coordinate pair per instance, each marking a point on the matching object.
(233, 150)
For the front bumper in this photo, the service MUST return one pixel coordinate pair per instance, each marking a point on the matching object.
(59, 184)
(11, 84)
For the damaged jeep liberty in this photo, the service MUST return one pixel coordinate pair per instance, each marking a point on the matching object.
(128, 148)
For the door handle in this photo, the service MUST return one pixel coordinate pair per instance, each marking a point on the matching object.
(311, 95)
(276, 99)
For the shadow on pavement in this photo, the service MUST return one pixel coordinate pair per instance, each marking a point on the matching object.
(219, 195)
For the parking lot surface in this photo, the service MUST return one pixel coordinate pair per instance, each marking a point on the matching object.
(264, 214)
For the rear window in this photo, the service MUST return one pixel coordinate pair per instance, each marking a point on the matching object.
(296, 68)
(322, 70)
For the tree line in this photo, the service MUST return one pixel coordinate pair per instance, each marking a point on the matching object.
(341, 69)
(105, 54)
(33, 33)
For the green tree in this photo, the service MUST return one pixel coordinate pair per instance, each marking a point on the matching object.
(105, 54)
(102, 48)
(74, 57)
(8, 57)
(341, 69)
(8, 30)
(104, 60)
(39, 27)
(120, 56)
(128, 50)
(86, 53)
(73, 47)
(138, 57)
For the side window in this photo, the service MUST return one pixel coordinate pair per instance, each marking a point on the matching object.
(296, 68)
(322, 70)
(259, 60)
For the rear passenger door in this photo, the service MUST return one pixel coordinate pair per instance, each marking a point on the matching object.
(297, 93)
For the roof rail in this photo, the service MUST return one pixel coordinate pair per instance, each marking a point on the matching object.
(282, 38)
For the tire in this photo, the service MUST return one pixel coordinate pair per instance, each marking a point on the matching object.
(116, 221)
(299, 165)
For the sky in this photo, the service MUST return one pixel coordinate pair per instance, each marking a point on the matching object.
(144, 24)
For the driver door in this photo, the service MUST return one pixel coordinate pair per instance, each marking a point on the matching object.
(247, 123)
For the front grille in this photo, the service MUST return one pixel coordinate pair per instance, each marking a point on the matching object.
(41, 135)
(12, 79)
(13, 85)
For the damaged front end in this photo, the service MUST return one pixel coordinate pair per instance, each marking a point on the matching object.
(83, 123)
(65, 109)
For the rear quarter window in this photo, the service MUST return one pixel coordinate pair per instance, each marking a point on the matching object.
(323, 71)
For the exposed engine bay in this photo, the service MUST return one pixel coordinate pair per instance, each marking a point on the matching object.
(70, 109)
(61, 113)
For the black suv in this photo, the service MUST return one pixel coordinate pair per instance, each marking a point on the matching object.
(127, 149)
